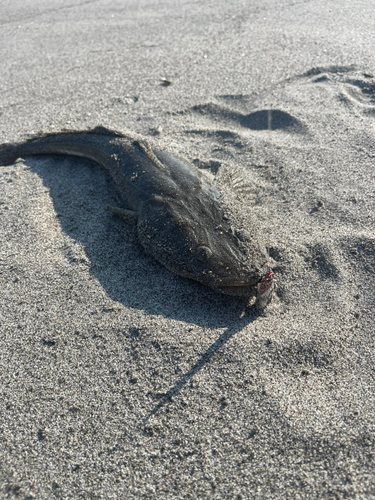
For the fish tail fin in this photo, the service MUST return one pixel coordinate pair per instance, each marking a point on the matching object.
(8, 153)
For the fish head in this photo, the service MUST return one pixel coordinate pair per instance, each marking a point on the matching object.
(192, 238)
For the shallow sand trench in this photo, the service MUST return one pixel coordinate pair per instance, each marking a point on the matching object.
(121, 380)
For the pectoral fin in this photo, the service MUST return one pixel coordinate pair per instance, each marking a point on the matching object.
(128, 216)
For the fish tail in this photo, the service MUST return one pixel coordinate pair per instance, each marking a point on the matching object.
(8, 153)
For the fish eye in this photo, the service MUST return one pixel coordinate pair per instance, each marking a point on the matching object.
(203, 253)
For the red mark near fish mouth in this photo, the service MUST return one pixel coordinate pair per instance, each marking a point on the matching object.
(265, 289)
(266, 283)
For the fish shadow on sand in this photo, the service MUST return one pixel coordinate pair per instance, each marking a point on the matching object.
(80, 190)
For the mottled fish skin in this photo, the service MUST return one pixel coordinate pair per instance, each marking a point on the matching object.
(180, 220)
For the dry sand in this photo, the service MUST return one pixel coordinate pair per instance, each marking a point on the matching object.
(121, 380)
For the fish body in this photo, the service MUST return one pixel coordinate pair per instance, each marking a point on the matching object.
(180, 220)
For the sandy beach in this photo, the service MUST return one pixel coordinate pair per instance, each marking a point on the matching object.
(119, 379)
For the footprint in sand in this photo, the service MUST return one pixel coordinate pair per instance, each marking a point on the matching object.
(258, 120)
(354, 87)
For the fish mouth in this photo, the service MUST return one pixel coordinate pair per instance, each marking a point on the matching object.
(238, 289)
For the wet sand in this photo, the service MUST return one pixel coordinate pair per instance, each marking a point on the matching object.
(122, 380)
